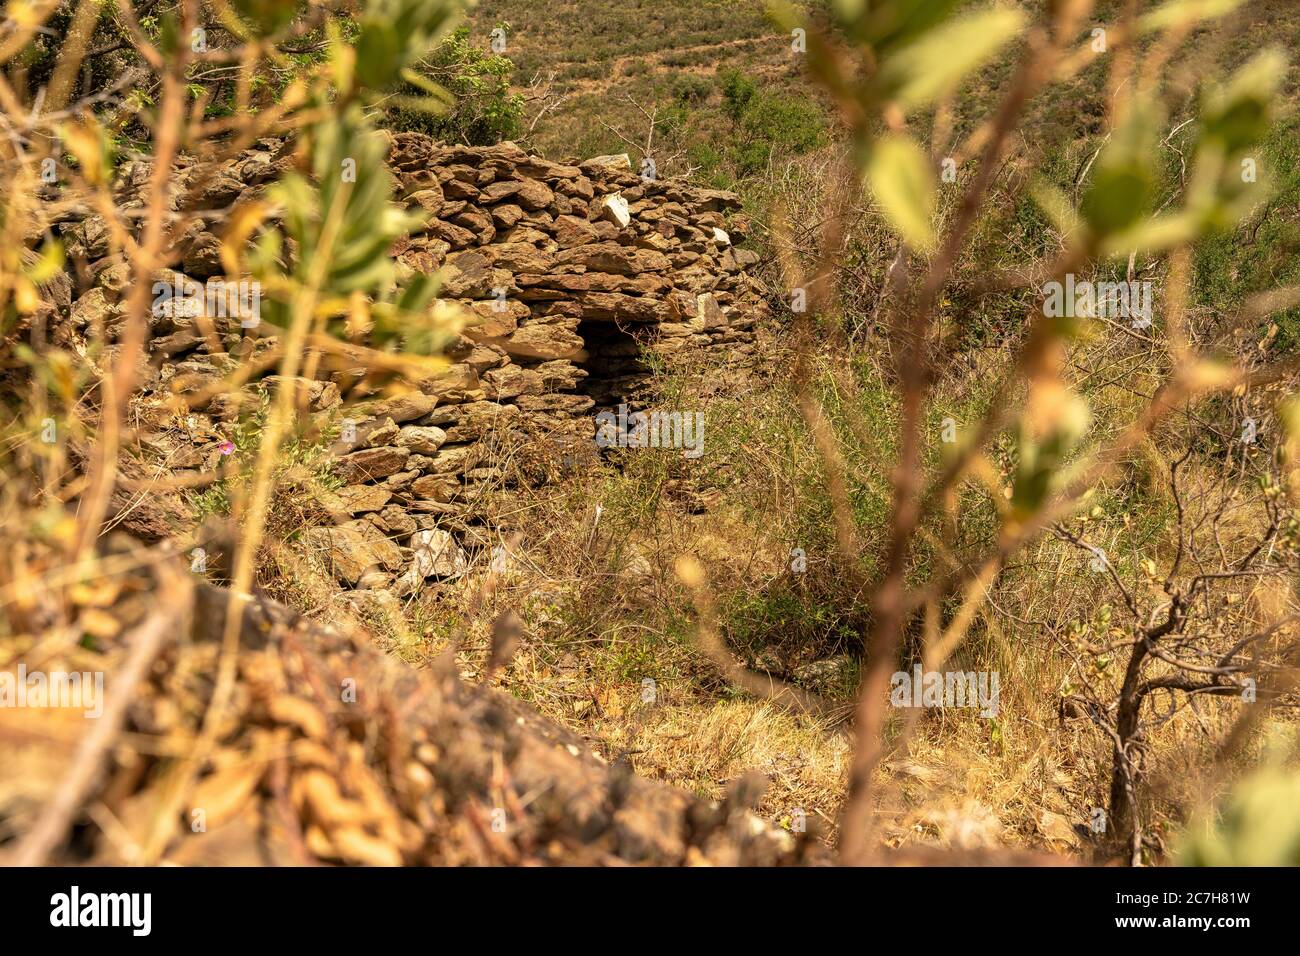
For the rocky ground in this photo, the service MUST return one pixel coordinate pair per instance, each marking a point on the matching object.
(321, 748)
(329, 752)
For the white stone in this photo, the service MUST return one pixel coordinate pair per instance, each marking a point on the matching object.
(422, 439)
(434, 554)
(612, 161)
(615, 209)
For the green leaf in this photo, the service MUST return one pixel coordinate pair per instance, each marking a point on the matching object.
(267, 16)
(1118, 197)
(923, 71)
(1238, 114)
(1057, 207)
(893, 23)
(48, 264)
(900, 178)
(849, 10)
(349, 177)
(1155, 234)
(1041, 458)
(423, 82)
(1185, 12)
(393, 34)
(419, 104)
(1125, 176)
(1257, 824)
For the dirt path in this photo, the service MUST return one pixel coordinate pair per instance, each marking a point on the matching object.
(579, 86)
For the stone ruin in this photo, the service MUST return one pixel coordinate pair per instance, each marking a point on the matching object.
(571, 272)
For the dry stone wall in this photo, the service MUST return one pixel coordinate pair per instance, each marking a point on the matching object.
(570, 271)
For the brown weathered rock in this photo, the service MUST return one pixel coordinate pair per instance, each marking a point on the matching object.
(430, 199)
(402, 480)
(422, 439)
(511, 381)
(501, 190)
(88, 239)
(182, 340)
(506, 215)
(560, 404)
(477, 222)
(542, 287)
(471, 275)
(571, 231)
(201, 255)
(359, 499)
(496, 318)
(542, 341)
(600, 164)
(451, 383)
(560, 375)
(93, 310)
(546, 169)
(393, 520)
(317, 395)
(433, 487)
(613, 306)
(411, 150)
(388, 554)
(405, 407)
(533, 194)
(366, 433)
(459, 189)
(710, 313)
(454, 459)
(615, 258)
(481, 356)
(525, 233)
(519, 257)
(457, 237)
(345, 551)
(371, 463)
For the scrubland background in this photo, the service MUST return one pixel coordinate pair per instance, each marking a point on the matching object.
(713, 91)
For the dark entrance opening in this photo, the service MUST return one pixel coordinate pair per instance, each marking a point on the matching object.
(615, 364)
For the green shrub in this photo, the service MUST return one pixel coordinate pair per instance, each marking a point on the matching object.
(482, 110)
(691, 88)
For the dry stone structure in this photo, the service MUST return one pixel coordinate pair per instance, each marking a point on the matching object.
(571, 273)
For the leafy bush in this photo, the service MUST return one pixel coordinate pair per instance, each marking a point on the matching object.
(482, 110)
(737, 91)
(690, 88)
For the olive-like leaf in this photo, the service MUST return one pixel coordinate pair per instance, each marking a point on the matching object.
(1124, 177)
(893, 23)
(1178, 13)
(1238, 114)
(938, 61)
(902, 181)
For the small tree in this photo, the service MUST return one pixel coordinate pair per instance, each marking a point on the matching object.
(889, 67)
(1186, 631)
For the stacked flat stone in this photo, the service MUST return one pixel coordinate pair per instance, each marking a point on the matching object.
(569, 271)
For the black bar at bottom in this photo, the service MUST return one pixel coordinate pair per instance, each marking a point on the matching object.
(907, 905)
